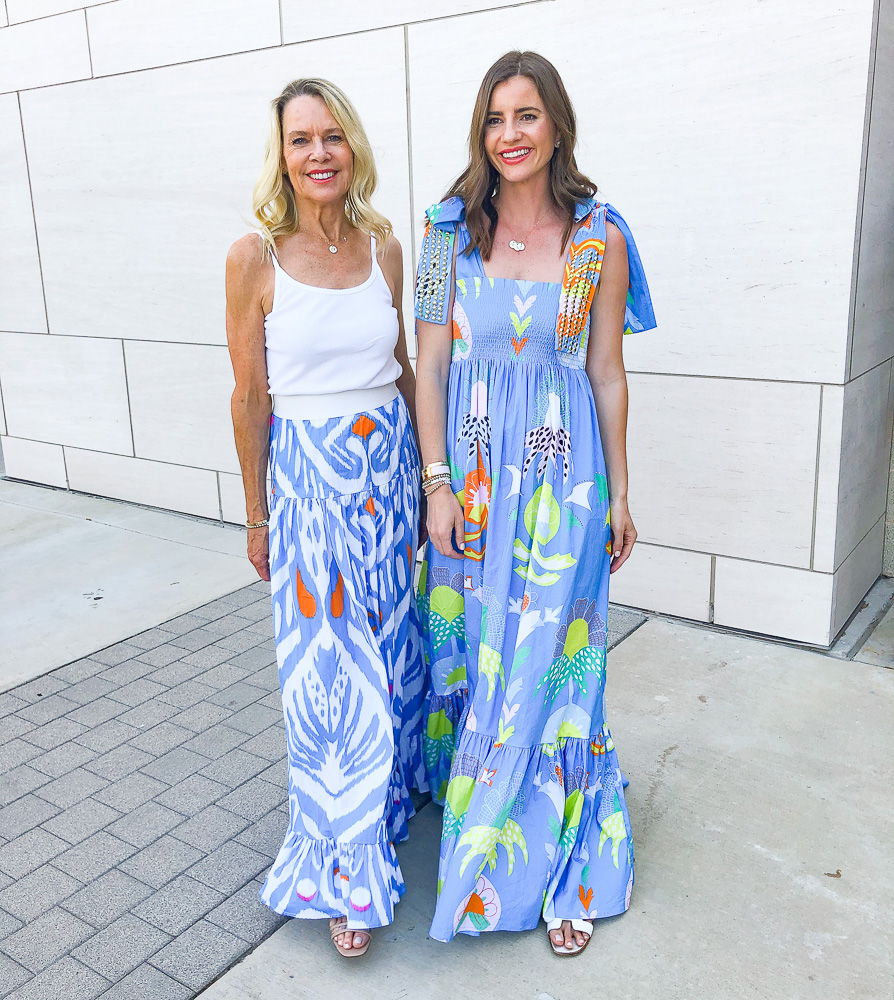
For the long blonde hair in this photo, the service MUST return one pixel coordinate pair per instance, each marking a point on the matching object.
(273, 200)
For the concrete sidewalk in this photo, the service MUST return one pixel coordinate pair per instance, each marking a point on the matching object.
(79, 573)
(758, 773)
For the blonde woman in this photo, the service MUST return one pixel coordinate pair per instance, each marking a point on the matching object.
(316, 339)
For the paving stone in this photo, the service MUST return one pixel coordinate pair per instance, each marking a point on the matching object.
(63, 759)
(224, 675)
(130, 792)
(187, 694)
(16, 752)
(40, 687)
(210, 828)
(197, 639)
(13, 727)
(137, 692)
(161, 656)
(14, 784)
(22, 855)
(35, 893)
(256, 611)
(217, 608)
(126, 673)
(81, 821)
(239, 641)
(241, 597)
(200, 954)
(267, 678)
(55, 733)
(78, 670)
(193, 794)
(147, 715)
(209, 656)
(273, 700)
(160, 862)
(175, 673)
(179, 905)
(9, 703)
(107, 736)
(264, 628)
(119, 762)
(255, 658)
(24, 814)
(255, 719)
(113, 655)
(148, 983)
(229, 867)
(244, 915)
(47, 709)
(96, 712)
(93, 856)
(277, 774)
(11, 975)
(175, 765)
(89, 689)
(254, 799)
(271, 744)
(50, 936)
(150, 639)
(145, 824)
(161, 738)
(234, 768)
(184, 623)
(266, 836)
(200, 716)
(72, 787)
(121, 947)
(236, 696)
(215, 742)
(67, 979)
(107, 898)
(9, 924)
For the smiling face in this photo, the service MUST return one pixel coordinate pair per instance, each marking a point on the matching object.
(316, 154)
(519, 136)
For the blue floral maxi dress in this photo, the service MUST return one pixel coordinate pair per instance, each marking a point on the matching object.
(517, 746)
(343, 536)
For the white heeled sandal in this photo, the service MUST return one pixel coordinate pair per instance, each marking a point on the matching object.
(584, 926)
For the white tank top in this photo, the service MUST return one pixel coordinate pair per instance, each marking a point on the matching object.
(330, 340)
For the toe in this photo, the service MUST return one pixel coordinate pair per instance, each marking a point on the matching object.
(569, 941)
(358, 940)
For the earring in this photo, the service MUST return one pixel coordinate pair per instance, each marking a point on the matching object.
(557, 143)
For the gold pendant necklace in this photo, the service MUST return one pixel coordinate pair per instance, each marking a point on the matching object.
(332, 243)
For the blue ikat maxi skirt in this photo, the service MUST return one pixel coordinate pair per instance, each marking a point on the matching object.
(343, 538)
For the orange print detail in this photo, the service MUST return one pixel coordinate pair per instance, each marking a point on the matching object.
(519, 344)
(306, 603)
(370, 506)
(338, 597)
(363, 426)
(585, 899)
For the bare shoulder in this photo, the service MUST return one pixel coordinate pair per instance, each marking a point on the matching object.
(390, 252)
(246, 254)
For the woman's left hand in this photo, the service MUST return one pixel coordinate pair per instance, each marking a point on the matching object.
(623, 533)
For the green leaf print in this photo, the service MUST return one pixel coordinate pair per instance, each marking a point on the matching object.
(485, 840)
(520, 325)
(613, 829)
(543, 518)
(490, 663)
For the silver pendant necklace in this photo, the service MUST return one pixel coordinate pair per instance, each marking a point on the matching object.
(519, 245)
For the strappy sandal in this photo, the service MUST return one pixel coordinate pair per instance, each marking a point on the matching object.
(339, 926)
(583, 926)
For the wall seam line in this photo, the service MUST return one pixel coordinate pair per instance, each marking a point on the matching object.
(3, 410)
(410, 159)
(43, 290)
(281, 36)
(861, 193)
(61, 13)
(87, 33)
(127, 392)
(219, 498)
(65, 467)
(711, 593)
(819, 442)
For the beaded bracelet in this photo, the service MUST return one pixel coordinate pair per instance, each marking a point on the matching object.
(257, 524)
(434, 482)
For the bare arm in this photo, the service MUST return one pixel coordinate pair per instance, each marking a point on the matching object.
(392, 264)
(248, 292)
(446, 520)
(608, 380)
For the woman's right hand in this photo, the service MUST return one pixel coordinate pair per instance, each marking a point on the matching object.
(259, 551)
(446, 521)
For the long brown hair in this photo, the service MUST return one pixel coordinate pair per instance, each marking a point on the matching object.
(479, 182)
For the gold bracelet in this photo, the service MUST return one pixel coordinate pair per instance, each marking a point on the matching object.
(257, 524)
(434, 468)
